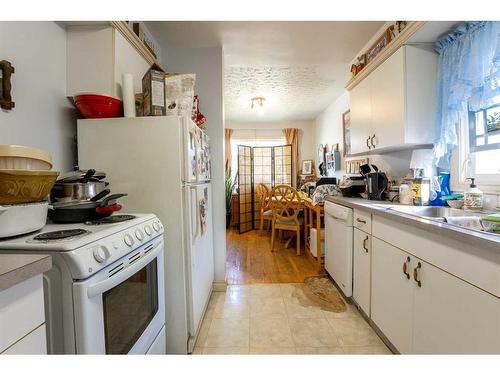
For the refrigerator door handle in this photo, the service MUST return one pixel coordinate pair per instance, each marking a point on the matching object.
(193, 205)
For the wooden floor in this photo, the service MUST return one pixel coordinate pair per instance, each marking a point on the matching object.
(249, 260)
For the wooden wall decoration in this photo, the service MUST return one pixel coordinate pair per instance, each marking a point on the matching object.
(6, 70)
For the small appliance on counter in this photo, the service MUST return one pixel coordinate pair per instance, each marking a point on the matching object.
(352, 186)
(376, 182)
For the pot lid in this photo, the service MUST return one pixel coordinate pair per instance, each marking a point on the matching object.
(77, 174)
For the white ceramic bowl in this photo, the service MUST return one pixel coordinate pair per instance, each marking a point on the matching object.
(24, 158)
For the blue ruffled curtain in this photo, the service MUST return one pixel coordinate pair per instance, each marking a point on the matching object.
(468, 76)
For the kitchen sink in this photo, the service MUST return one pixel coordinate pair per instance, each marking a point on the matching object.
(431, 212)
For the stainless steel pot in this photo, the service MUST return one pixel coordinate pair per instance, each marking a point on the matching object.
(76, 191)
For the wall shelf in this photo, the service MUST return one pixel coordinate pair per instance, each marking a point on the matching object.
(411, 28)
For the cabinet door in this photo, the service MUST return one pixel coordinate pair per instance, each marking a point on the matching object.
(361, 107)
(392, 294)
(362, 270)
(33, 343)
(452, 316)
(388, 102)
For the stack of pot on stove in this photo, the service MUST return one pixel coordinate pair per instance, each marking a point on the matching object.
(82, 195)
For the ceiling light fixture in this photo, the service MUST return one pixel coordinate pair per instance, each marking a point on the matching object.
(258, 101)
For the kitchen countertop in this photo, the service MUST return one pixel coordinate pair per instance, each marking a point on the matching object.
(472, 237)
(16, 268)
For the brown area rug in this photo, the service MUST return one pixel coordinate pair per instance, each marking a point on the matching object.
(319, 291)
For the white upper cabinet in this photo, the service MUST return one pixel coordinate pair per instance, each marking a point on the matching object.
(361, 114)
(394, 106)
(97, 56)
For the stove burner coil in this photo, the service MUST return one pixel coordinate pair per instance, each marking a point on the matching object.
(60, 234)
(111, 219)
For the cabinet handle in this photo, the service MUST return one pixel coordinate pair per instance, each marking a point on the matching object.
(360, 221)
(364, 244)
(416, 274)
(371, 141)
(368, 143)
(406, 264)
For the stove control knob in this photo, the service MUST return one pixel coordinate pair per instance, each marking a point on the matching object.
(129, 240)
(156, 226)
(148, 230)
(101, 253)
(139, 235)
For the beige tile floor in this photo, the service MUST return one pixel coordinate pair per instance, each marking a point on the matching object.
(268, 319)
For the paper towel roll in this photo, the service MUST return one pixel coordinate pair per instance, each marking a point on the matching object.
(128, 95)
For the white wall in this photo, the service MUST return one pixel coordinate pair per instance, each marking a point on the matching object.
(329, 131)
(208, 65)
(42, 117)
(306, 133)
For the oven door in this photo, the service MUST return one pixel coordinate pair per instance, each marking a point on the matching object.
(121, 309)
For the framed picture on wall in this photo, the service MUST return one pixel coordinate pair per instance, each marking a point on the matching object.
(307, 166)
(346, 131)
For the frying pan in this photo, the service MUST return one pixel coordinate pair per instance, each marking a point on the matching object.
(85, 211)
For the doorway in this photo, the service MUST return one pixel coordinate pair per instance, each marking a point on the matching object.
(249, 259)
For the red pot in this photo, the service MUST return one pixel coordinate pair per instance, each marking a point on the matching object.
(98, 106)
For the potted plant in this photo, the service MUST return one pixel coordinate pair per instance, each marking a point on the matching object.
(230, 184)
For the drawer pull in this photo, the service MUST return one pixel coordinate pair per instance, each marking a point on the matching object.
(406, 264)
(416, 274)
(360, 221)
(364, 244)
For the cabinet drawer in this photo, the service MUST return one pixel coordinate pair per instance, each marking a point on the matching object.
(363, 220)
(21, 310)
(33, 343)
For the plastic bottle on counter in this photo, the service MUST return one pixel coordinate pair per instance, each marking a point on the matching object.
(405, 193)
(473, 197)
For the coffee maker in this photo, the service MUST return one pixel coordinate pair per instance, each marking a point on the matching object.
(376, 182)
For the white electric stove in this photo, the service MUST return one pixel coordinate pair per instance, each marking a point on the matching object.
(105, 292)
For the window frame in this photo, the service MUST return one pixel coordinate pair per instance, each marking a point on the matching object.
(461, 159)
(473, 147)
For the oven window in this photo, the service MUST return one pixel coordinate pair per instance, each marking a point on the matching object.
(128, 309)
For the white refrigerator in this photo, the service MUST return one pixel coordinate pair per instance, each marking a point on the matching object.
(163, 163)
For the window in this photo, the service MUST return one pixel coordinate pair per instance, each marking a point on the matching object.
(482, 159)
(253, 138)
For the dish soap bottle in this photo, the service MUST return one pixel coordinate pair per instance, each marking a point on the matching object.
(473, 197)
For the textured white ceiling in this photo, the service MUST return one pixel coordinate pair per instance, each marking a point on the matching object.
(299, 67)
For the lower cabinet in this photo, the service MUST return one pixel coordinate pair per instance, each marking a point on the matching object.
(33, 343)
(452, 316)
(22, 318)
(392, 294)
(362, 270)
(425, 310)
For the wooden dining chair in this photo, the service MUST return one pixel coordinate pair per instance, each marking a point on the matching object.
(286, 205)
(263, 197)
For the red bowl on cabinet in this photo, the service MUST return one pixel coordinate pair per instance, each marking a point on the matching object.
(98, 106)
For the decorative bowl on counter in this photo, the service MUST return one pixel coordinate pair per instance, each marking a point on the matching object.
(14, 157)
(455, 203)
(93, 105)
(23, 186)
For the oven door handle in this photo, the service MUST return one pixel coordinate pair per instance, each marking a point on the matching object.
(119, 277)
